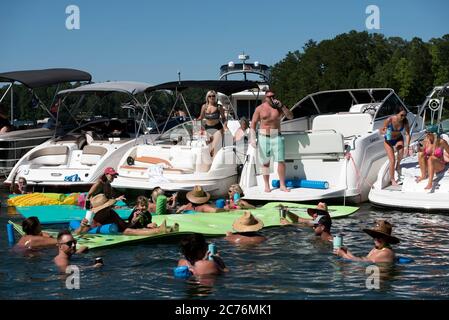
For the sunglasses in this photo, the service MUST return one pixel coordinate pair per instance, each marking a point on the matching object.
(70, 243)
(211, 96)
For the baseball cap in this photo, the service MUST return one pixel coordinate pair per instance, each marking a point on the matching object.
(111, 171)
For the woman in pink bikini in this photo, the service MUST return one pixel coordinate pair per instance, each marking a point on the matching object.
(432, 158)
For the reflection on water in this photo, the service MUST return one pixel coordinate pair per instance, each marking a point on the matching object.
(291, 264)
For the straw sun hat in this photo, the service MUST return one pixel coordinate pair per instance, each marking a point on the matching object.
(382, 230)
(247, 223)
(198, 195)
(100, 202)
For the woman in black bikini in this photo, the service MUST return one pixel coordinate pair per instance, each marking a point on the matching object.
(392, 129)
(213, 113)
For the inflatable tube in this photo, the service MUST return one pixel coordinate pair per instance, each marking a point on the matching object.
(104, 229)
(404, 260)
(161, 205)
(182, 272)
(10, 232)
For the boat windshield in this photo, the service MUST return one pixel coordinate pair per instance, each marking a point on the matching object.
(181, 134)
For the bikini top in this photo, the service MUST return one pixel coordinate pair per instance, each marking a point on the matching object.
(437, 153)
(212, 115)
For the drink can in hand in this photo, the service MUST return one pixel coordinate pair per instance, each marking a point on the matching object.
(338, 241)
(89, 217)
(213, 250)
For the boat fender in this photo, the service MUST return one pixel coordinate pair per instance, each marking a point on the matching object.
(161, 204)
(182, 272)
(111, 228)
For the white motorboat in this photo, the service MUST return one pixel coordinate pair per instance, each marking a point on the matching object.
(333, 139)
(410, 194)
(14, 144)
(180, 158)
(77, 159)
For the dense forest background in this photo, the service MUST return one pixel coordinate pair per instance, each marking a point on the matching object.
(350, 60)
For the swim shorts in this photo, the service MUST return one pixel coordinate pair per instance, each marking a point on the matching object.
(271, 146)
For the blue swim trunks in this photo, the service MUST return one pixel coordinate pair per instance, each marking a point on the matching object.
(271, 146)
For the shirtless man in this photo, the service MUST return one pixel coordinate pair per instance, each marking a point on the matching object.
(66, 248)
(382, 251)
(271, 143)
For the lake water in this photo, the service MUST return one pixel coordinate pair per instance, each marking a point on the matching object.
(292, 264)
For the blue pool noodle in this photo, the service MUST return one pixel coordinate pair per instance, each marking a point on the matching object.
(104, 229)
(182, 272)
(10, 232)
(302, 183)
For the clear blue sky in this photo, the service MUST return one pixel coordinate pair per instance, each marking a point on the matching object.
(151, 40)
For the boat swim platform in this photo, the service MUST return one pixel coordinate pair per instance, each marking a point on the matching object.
(295, 194)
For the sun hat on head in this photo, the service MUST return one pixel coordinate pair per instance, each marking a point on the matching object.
(111, 171)
(247, 223)
(100, 202)
(198, 195)
(321, 210)
(382, 230)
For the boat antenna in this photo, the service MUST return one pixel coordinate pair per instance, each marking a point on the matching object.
(179, 77)
(243, 57)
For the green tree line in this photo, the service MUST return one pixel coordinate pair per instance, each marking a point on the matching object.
(360, 60)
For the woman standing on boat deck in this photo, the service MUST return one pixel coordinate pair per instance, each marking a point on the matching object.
(432, 157)
(392, 129)
(213, 112)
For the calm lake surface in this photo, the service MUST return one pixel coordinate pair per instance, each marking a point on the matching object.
(292, 264)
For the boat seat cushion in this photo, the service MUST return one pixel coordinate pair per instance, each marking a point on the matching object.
(319, 144)
(92, 154)
(50, 156)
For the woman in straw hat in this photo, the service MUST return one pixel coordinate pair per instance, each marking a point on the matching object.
(197, 201)
(382, 251)
(196, 256)
(103, 214)
(246, 227)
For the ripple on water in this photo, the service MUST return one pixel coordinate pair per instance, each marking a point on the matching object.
(291, 264)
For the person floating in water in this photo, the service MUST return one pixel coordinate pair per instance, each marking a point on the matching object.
(382, 251)
(246, 227)
(235, 194)
(319, 210)
(66, 249)
(34, 237)
(20, 187)
(198, 201)
(196, 257)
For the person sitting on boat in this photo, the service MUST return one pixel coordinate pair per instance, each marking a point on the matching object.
(198, 201)
(34, 237)
(319, 210)
(235, 193)
(241, 135)
(382, 251)
(196, 257)
(270, 140)
(392, 129)
(431, 158)
(5, 125)
(66, 249)
(171, 201)
(246, 227)
(212, 113)
(103, 185)
(20, 187)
